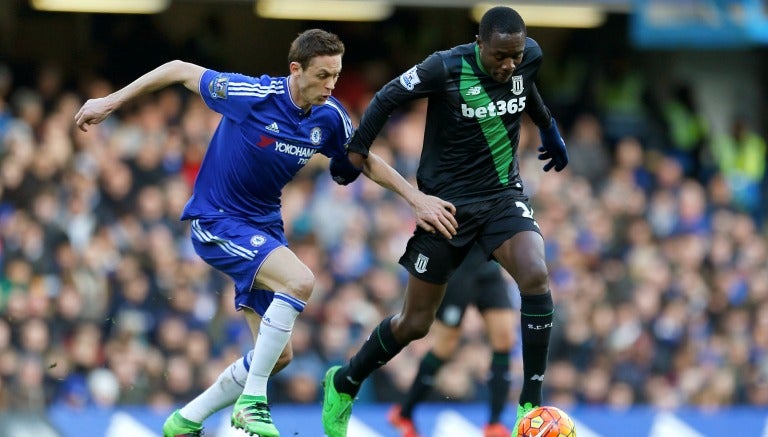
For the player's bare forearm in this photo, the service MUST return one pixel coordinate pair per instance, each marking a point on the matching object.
(95, 111)
(167, 74)
(377, 170)
(432, 213)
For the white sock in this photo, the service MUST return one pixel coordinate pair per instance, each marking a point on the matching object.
(274, 334)
(223, 392)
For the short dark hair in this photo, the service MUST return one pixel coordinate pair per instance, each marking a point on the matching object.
(312, 43)
(500, 19)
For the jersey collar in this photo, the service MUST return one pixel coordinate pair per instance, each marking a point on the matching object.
(299, 111)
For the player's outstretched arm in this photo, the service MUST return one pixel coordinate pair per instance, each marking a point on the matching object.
(95, 111)
(552, 147)
(432, 213)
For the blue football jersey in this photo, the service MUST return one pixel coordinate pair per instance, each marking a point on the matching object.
(262, 140)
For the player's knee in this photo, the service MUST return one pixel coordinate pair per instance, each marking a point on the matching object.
(503, 341)
(534, 280)
(301, 286)
(414, 327)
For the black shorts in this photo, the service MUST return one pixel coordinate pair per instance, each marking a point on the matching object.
(477, 281)
(489, 223)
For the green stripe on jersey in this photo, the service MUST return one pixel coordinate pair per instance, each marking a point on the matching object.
(492, 127)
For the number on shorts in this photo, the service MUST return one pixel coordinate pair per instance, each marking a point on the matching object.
(527, 211)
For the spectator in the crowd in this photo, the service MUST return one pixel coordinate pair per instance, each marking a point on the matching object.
(620, 95)
(741, 155)
(686, 130)
(589, 157)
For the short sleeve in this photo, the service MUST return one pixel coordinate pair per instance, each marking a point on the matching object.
(341, 129)
(233, 95)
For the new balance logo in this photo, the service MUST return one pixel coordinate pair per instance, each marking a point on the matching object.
(539, 378)
(474, 91)
(352, 381)
(272, 127)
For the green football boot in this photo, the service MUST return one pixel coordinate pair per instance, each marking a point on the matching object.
(177, 426)
(337, 407)
(251, 414)
(522, 410)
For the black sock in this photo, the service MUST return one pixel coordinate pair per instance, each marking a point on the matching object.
(536, 315)
(422, 385)
(499, 381)
(378, 349)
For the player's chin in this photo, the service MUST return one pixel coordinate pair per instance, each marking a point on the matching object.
(322, 99)
(502, 77)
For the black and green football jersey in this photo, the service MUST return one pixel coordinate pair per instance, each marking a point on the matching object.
(473, 122)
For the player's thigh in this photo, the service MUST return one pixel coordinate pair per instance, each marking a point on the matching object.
(422, 298)
(514, 239)
(499, 324)
(419, 308)
(445, 339)
(283, 271)
(523, 257)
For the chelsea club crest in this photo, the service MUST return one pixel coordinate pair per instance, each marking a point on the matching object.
(316, 135)
(257, 240)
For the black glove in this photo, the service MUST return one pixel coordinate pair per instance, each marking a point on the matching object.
(552, 148)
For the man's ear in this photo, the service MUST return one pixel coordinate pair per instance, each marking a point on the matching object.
(294, 67)
(479, 42)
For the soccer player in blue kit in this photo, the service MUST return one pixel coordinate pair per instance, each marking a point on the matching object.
(270, 128)
(476, 95)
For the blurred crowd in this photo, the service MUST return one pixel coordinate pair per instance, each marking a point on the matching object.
(655, 234)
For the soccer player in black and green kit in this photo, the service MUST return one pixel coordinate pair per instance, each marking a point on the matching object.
(476, 95)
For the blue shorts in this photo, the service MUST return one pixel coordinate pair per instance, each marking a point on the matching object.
(239, 248)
